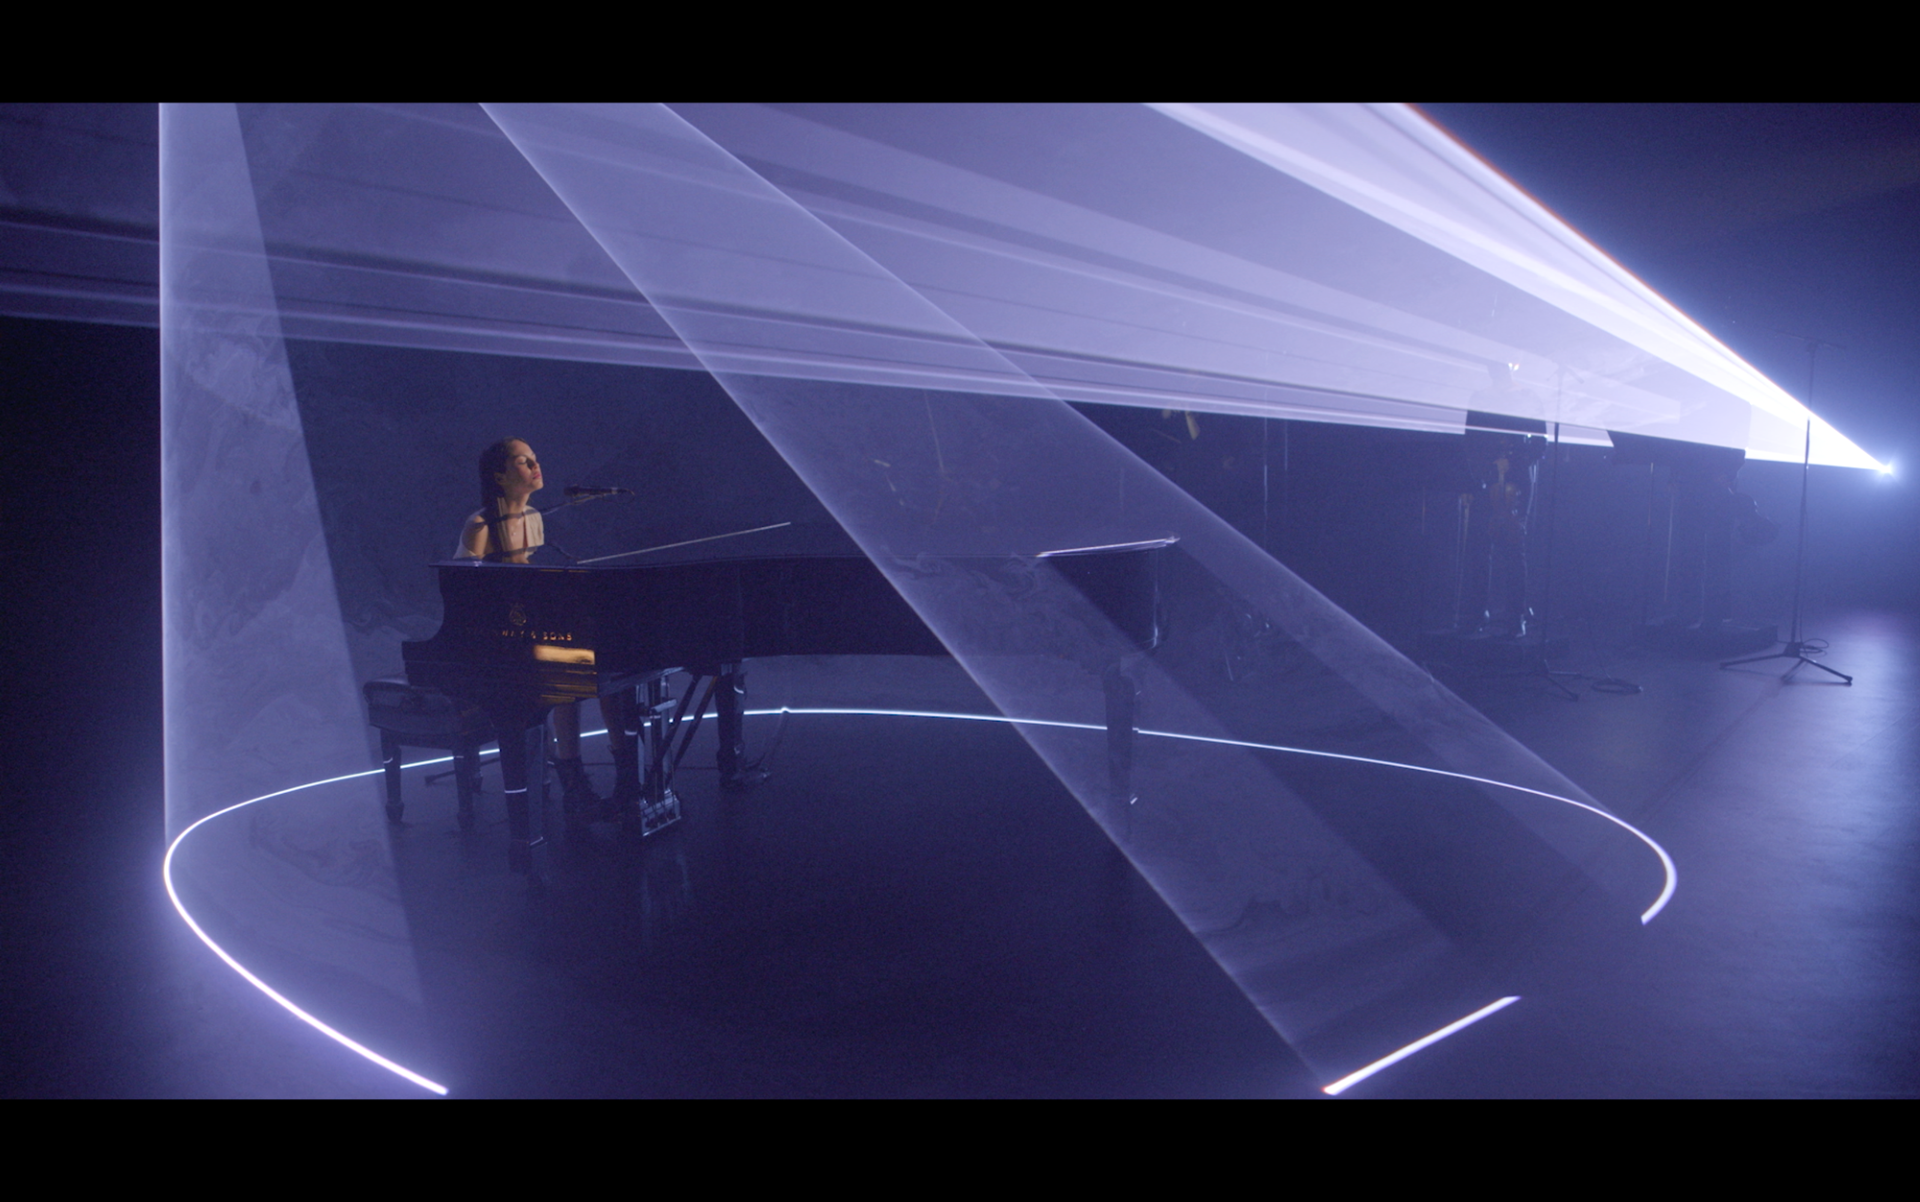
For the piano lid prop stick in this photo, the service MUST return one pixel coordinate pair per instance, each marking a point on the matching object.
(688, 543)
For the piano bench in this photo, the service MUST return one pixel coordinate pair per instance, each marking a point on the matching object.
(408, 716)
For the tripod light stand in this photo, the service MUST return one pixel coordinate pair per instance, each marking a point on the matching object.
(1796, 648)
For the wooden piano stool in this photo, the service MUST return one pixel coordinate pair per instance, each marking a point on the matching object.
(410, 716)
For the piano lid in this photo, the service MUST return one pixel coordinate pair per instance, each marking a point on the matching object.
(794, 541)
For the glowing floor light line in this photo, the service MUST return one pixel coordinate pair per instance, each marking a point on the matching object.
(1666, 862)
(166, 875)
(1354, 1078)
(849, 711)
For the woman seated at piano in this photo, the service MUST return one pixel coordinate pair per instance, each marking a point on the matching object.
(507, 530)
(504, 528)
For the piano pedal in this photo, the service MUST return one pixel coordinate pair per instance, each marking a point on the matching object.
(656, 816)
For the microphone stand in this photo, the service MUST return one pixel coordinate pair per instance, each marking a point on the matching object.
(582, 498)
(573, 498)
(1797, 647)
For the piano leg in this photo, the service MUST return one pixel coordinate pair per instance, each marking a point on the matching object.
(465, 778)
(728, 694)
(729, 699)
(622, 712)
(390, 760)
(1122, 698)
(523, 773)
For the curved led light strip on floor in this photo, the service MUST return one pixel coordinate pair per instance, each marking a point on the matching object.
(166, 874)
(1666, 861)
(1354, 1078)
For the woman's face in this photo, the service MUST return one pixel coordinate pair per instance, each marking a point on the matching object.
(522, 477)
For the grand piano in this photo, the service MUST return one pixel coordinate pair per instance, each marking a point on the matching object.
(517, 639)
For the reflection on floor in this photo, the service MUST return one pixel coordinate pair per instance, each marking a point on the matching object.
(911, 907)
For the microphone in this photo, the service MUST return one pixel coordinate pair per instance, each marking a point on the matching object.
(588, 490)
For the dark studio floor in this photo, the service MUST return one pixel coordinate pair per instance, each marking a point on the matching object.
(914, 907)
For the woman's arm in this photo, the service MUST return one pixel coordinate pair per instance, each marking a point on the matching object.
(473, 540)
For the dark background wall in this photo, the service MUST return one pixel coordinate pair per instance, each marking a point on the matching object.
(82, 824)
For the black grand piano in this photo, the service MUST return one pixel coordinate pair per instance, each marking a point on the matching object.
(518, 639)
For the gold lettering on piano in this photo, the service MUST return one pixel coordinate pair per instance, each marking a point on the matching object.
(547, 653)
